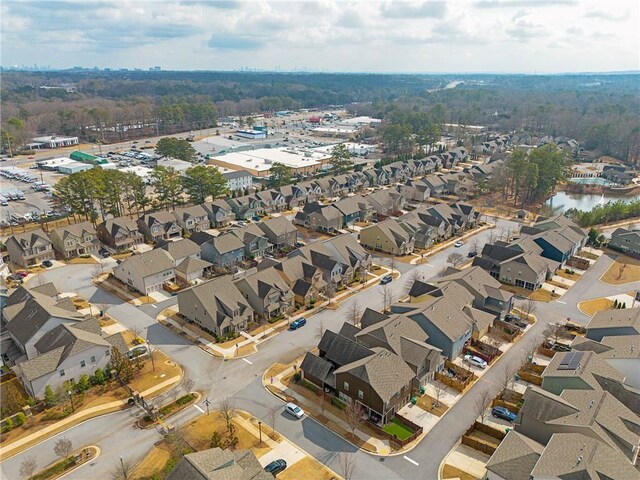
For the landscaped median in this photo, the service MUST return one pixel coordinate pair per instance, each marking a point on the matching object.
(98, 396)
(170, 409)
(64, 466)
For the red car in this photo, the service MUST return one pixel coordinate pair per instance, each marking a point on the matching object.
(21, 274)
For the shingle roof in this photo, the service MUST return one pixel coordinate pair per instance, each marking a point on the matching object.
(201, 237)
(445, 315)
(183, 247)
(340, 350)
(277, 226)
(227, 242)
(148, 263)
(515, 457)
(315, 366)
(48, 289)
(384, 371)
(76, 230)
(219, 464)
(574, 456)
(589, 364)
(114, 225)
(193, 211)
(392, 330)
(626, 317)
(30, 239)
(192, 265)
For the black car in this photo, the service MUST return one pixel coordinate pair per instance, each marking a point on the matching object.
(104, 253)
(276, 467)
(47, 263)
(472, 254)
(386, 279)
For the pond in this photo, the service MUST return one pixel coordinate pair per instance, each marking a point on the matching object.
(563, 201)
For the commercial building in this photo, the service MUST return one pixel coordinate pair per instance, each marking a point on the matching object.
(251, 134)
(52, 141)
(259, 162)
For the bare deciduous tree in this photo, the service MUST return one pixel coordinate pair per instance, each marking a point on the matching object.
(508, 377)
(528, 308)
(439, 390)
(330, 291)
(228, 411)
(347, 462)
(273, 414)
(412, 277)
(321, 329)
(353, 415)
(63, 447)
(28, 467)
(475, 245)
(455, 259)
(122, 470)
(483, 400)
(353, 313)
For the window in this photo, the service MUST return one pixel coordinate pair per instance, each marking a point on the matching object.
(360, 394)
(83, 364)
(107, 353)
(62, 372)
(93, 359)
(346, 386)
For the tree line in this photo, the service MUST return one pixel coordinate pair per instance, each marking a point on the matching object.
(607, 213)
(96, 194)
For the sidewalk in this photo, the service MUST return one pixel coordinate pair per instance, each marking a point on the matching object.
(265, 334)
(382, 447)
(73, 420)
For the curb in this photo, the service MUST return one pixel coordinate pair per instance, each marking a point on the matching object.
(191, 403)
(444, 460)
(94, 447)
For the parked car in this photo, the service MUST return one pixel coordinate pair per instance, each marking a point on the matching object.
(472, 254)
(516, 320)
(504, 413)
(296, 324)
(458, 244)
(276, 467)
(47, 264)
(475, 361)
(386, 279)
(104, 253)
(299, 244)
(293, 409)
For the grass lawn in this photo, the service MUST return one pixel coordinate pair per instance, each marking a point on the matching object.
(155, 461)
(425, 402)
(165, 369)
(543, 295)
(568, 276)
(396, 428)
(623, 270)
(80, 261)
(589, 307)
(449, 471)
(308, 468)
(589, 255)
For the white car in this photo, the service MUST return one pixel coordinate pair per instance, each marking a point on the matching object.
(294, 410)
(458, 244)
(476, 361)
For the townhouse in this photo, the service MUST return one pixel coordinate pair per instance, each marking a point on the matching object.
(74, 240)
(159, 226)
(388, 237)
(267, 293)
(219, 212)
(225, 250)
(146, 272)
(193, 219)
(29, 248)
(280, 232)
(120, 233)
(305, 280)
(626, 241)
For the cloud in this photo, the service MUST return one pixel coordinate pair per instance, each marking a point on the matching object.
(523, 31)
(602, 15)
(405, 9)
(522, 3)
(229, 41)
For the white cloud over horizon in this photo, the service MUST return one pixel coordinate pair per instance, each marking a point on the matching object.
(527, 36)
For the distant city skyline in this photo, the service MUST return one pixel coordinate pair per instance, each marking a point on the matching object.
(457, 36)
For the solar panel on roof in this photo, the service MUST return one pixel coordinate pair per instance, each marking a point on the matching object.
(571, 361)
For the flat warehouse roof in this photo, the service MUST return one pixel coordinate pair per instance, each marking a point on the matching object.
(263, 158)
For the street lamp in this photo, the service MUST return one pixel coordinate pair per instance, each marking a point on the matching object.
(260, 428)
(207, 403)
(71, 399)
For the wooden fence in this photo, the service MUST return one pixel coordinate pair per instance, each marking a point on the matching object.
(547, 352)
(577, 262)
(500, 332)
(417, 431)
(479, 444)
(530, 377)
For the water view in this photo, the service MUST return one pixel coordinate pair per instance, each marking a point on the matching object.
(563, 201)
(592, 181)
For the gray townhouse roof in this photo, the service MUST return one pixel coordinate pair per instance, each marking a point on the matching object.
(392, 330)
(340, 350)
(57, 345)
(371, 317)
(515, 457)
(301, 287)
(277, 226)
(445, 315)
(25, 312)
(414, 351)
(618, 318)
(219, 464)
(477, 280)
(295, 268)
(227, 242)
(75, 230)
(583, 365)
(201, 237)
(348, 205)
(622, 346)
(555, 239)
(28, 240)
(346, 249)
(384, 371)
(574, 456)
(330, 212)
(420, 288)
(624, 233)
(316, 367)
(218, 204)
(49, 289)
(183, 247)
(392, 229)
(162, 217)
(149, 263)
(124, 224)
(191, 265)
(187, 212)
(434, 181)
(348, 330)
(544, 406)
(264, 281)
(220, 297)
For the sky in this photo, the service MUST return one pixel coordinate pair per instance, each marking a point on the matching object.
(434, 36)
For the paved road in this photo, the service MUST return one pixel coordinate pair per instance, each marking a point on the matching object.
(218, 378)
